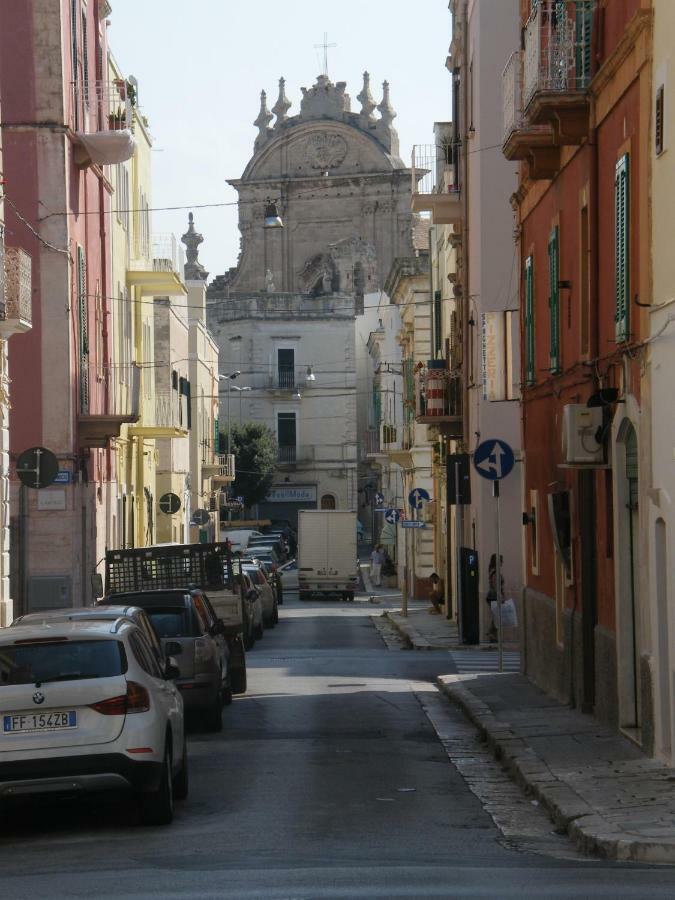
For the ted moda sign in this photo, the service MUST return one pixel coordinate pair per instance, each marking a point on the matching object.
(292, 493)
(494, 381)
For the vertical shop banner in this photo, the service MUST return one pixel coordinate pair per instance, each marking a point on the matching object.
(494, 356)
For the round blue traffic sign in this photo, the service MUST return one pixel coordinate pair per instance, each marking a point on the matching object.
(418, 497)
(493, 460)
(392, 516)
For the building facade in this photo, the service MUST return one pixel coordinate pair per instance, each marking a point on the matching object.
(63, 122)
(577, 110)
(285, 316)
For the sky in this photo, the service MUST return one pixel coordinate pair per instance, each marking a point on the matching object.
(201, 66)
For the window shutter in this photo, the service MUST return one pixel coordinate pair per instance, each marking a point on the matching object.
(622, 247)
(530, 374)
(658, 121)
(216, 435)
(83, 323)
(584, 23)
(554, 298)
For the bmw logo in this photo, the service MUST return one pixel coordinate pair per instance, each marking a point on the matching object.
(38, 697)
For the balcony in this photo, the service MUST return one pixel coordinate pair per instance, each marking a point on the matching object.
(222, 471)
(162, 275)
(522, 141)
(285, 378)
(111, 398)
(557, 68)
(370, 444)
(435, 182)
(16, 313)
(288, 455)
(162, 416)
(438, 398)
(101, 117)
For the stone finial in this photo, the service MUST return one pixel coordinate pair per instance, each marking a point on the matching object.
(283, 104)
(365, 98)
(385, 108)
(194, 270)
(262, 123)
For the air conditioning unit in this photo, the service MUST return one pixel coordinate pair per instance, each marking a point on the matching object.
(581, 429)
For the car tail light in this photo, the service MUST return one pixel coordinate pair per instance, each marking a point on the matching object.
(136, 699)
(202, 651)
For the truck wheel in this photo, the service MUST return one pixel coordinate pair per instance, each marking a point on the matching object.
(350, 596)
(304, 596)
(238, 680)
(249, 637)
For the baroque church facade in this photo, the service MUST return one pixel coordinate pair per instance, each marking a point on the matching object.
(285, 316)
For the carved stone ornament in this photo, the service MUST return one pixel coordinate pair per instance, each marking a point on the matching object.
(326, 151)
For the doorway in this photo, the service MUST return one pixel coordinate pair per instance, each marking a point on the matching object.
(589, 612)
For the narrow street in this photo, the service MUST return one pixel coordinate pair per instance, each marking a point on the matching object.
(328, 780)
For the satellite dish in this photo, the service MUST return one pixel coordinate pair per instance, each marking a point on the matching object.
(200, 517)
(169, 504)
(37, 468)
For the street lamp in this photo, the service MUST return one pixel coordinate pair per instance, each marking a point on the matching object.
(310, 377)
(241, 391)
(229, 379)
(272, 217)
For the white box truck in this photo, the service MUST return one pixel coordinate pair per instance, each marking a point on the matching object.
(327, 555)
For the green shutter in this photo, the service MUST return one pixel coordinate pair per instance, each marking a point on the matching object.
(377, 407)
(530, 373)
(83, 323)
(216, 435)
(584, 24)
(554, 298)
(409, 390)
(622, 248)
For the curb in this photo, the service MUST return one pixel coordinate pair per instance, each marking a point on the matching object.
(412, 636)
(583, 824)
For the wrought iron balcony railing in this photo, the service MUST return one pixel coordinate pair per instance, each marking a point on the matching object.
(438, 396)
(16, 312)
(100, 106)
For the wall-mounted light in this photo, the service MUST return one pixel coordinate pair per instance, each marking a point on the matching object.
(310, 376)
(272, 217)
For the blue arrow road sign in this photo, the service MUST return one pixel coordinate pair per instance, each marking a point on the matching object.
(413, 524)
(493, 460)
(379, 499)
(418, 497)
(392, 516)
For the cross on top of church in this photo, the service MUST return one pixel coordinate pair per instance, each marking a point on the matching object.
(325, 47)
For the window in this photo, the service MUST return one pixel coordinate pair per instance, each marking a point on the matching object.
(554, 299)
(585, 287)
(83, 323)
(85, 60)
(584, 24)
(287, 436)
(530, 370)
(144, 655)
(622, 248)
(286, 368)
(659, 122)
(328, 502)
(66, 660)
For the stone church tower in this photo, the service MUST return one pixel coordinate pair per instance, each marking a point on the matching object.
(285, 317)
(340, 187)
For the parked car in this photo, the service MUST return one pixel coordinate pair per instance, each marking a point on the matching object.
(288, 574)
(99, 613)
(268, 543)
(191, 632)
(268, 596)
(85, 705)
(239, 537)
(268, 554)
(253, 611)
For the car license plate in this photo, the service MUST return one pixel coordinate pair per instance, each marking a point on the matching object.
(45, 721)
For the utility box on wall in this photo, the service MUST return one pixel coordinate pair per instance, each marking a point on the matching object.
(582, 430)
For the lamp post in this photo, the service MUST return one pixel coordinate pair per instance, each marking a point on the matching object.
(229, 379)
(241, 391)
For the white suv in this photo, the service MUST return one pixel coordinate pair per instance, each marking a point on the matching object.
(85, 706)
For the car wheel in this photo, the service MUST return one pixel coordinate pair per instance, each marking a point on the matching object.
(227, 691)
(259, 631)
(276, 615)
(180, 782)
(249, 637)
(157, 806)
(238, 680)
(213, 716)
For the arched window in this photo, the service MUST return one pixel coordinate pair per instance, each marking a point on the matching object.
(328, 501)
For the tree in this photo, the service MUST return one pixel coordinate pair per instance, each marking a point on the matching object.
(255, 454)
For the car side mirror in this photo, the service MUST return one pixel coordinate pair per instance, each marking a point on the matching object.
(171, 670)
(172, 648)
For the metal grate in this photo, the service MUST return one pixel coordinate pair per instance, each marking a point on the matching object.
(207, 566)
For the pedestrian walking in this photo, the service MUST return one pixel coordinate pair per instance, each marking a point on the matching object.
(491, 595)
(376, 560)
(437, 594)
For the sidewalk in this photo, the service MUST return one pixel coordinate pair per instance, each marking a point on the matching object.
(611, 799)
(426, 631)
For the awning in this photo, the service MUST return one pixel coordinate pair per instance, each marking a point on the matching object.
(388, 534)
(104, 147)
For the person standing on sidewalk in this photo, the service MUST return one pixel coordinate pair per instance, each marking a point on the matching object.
(437, 594)
(491, 595)
(376, 560)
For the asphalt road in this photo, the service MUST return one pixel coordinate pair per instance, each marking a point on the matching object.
(328, 781)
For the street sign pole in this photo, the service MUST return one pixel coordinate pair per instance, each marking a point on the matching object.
(498, 583)
(458, 556)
